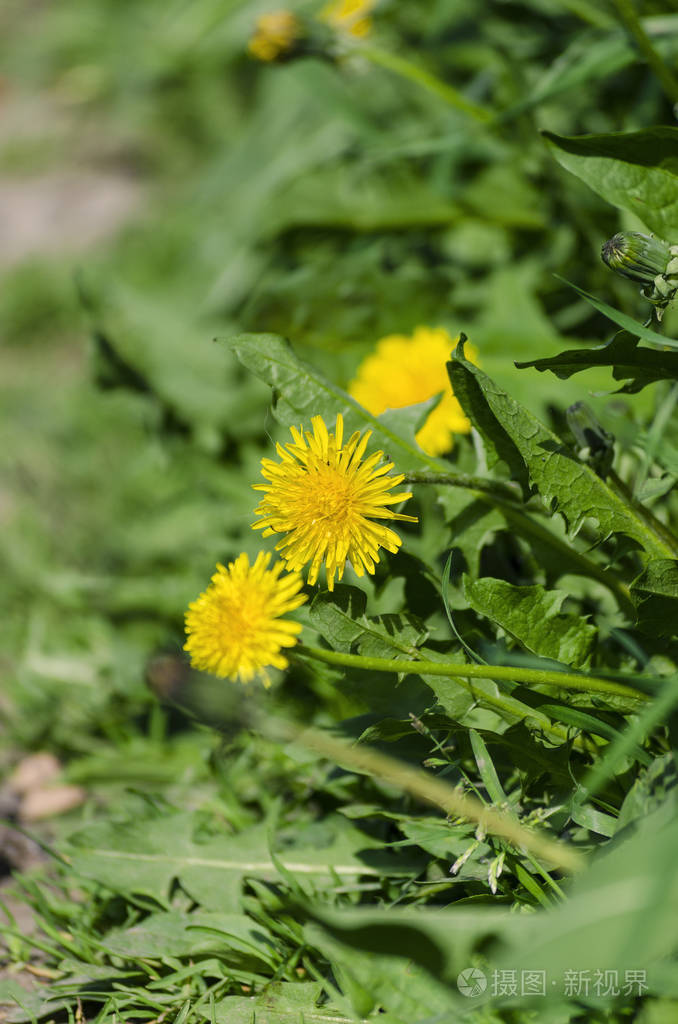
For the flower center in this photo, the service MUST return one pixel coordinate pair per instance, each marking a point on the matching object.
(328, 498)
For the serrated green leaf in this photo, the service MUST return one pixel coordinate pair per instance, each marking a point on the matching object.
(499, 446)
(408, 988)
(566, 484)
(300, 392)
(638, 366)
(340, 618)
(636, 171)
(532, 615)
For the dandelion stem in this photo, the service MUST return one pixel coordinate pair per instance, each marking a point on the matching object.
(472, 483)
(420, 76)
(505, 673)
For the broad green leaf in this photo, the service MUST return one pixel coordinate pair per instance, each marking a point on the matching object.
(655, 593)
(146, 856)
(340, 618)
(300, 392)
(629, 362)
(282, 1002)
(620, 913)
(566, 484)
(636, 171)
(533, 616)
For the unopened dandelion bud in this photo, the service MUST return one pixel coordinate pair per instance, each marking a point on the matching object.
(646, 259)
(636, 256)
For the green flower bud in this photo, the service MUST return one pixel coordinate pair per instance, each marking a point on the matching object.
(646, 259)
(639, 257)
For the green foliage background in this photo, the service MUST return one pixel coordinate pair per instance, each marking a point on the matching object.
(215, 871)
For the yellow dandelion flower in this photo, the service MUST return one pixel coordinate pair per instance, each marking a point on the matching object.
(351, 16)
(325, 498)
(234, 628)
(407, 370)
(274, 34)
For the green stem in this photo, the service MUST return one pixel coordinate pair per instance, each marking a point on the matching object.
(500, 673)
(505, 706)
(498, 488)
(413, 73)
(630, 20)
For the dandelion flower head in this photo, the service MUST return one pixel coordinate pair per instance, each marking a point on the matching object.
(325, 498)
(407, 370)
(234, 628)
(350, 16)
(274, 35)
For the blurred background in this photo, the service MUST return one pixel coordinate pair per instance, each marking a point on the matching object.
(161, 186)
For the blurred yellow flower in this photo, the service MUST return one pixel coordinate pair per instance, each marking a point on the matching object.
(274, 35)
(325, 498)
(234, 629)
(406, 370)
(351, 16)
